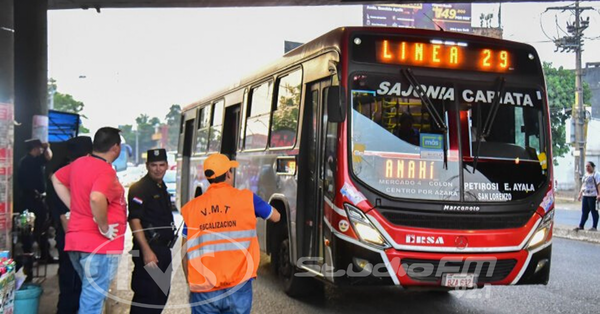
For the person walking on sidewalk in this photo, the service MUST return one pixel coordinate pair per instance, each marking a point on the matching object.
(590, 185)
(220, 247)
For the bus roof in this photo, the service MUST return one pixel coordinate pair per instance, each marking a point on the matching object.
(330, 41)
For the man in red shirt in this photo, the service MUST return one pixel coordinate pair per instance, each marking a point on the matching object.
(90, 189)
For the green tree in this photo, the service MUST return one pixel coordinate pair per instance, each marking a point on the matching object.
(128, 134)
(145, 127)
(561, 97)
(66, 103)
(173, 120)
(286, 115)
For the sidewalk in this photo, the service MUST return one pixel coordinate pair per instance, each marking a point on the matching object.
(566, 218)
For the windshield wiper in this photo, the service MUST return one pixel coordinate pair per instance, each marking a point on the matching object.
(489, 121)
(437, 118)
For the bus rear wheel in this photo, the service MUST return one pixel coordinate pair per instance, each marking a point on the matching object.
(294, 285)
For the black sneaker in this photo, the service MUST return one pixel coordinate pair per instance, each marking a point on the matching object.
(593, 229)
(577, 229)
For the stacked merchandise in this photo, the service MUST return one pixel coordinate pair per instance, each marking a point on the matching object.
(7, 285)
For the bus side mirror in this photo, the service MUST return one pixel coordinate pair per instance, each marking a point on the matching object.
(335, 105)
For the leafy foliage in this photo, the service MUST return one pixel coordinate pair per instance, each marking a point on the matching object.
(66, 103)
(173, 120)
(561, 97)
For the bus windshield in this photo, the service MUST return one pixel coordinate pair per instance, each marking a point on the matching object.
(509, 161)
(399, 150)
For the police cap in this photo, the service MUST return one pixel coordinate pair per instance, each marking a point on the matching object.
(159, 154)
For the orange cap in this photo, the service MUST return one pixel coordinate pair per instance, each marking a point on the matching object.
(218, 164)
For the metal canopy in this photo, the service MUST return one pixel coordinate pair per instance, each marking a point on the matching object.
(101, 4)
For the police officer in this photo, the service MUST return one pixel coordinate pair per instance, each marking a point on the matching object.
(32, 183)
(151, 221)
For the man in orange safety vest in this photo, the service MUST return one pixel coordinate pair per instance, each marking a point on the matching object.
(220, 247)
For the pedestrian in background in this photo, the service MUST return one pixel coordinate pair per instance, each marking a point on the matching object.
(90, 189)
(32, 184)
(220, 247)
(69, 282)
(151, 221)
(590, 185)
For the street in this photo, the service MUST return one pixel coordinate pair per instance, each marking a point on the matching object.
(571, 289)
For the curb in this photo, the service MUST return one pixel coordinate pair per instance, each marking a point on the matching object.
(568, 233)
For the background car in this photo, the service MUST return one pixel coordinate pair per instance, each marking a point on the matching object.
(170, 180)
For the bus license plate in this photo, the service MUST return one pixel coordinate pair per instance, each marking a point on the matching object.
(459, 280)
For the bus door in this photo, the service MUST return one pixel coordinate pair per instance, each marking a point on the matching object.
(231, 131)
(185, 149)
(311, 174)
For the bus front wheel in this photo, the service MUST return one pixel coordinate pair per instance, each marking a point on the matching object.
(294, 285)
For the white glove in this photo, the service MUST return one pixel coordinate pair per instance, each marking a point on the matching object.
(111, 233)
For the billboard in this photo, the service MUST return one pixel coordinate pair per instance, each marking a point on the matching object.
(453, 17)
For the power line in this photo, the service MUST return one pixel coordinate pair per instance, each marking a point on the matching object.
(543, 30)
(574, 43)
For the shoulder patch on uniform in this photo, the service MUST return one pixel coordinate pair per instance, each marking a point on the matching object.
(138, 200)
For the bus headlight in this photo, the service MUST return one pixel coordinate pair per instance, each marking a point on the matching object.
(542, 231)
(363, 227)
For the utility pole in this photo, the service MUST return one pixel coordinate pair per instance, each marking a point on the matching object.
(574, 43)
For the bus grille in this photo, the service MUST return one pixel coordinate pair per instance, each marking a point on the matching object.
(457, 221)
(427, 270)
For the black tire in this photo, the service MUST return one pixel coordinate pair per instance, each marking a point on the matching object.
(293, 285)
(278, 234)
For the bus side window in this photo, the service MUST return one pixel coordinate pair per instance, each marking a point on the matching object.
(202, 132)
(214, 143)
(257, 123)
(285, 113)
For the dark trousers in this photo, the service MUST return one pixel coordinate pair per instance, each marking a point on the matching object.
(68, 281)
(588, 204)
(151, 286)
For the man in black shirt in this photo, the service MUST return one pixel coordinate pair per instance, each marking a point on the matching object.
(151, 221)
(32, 184)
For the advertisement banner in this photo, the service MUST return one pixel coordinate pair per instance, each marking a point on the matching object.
(6, 163)
(453, 17)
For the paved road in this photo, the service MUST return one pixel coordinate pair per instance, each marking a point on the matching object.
(572, 289)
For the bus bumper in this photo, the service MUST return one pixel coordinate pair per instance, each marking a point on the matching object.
(362, 265)
(508, 268)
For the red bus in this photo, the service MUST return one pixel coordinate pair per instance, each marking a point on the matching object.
(401, 157)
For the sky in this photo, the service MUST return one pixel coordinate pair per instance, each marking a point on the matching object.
(125, 62)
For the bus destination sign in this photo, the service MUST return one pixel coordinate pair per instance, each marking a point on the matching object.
(442, 54)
